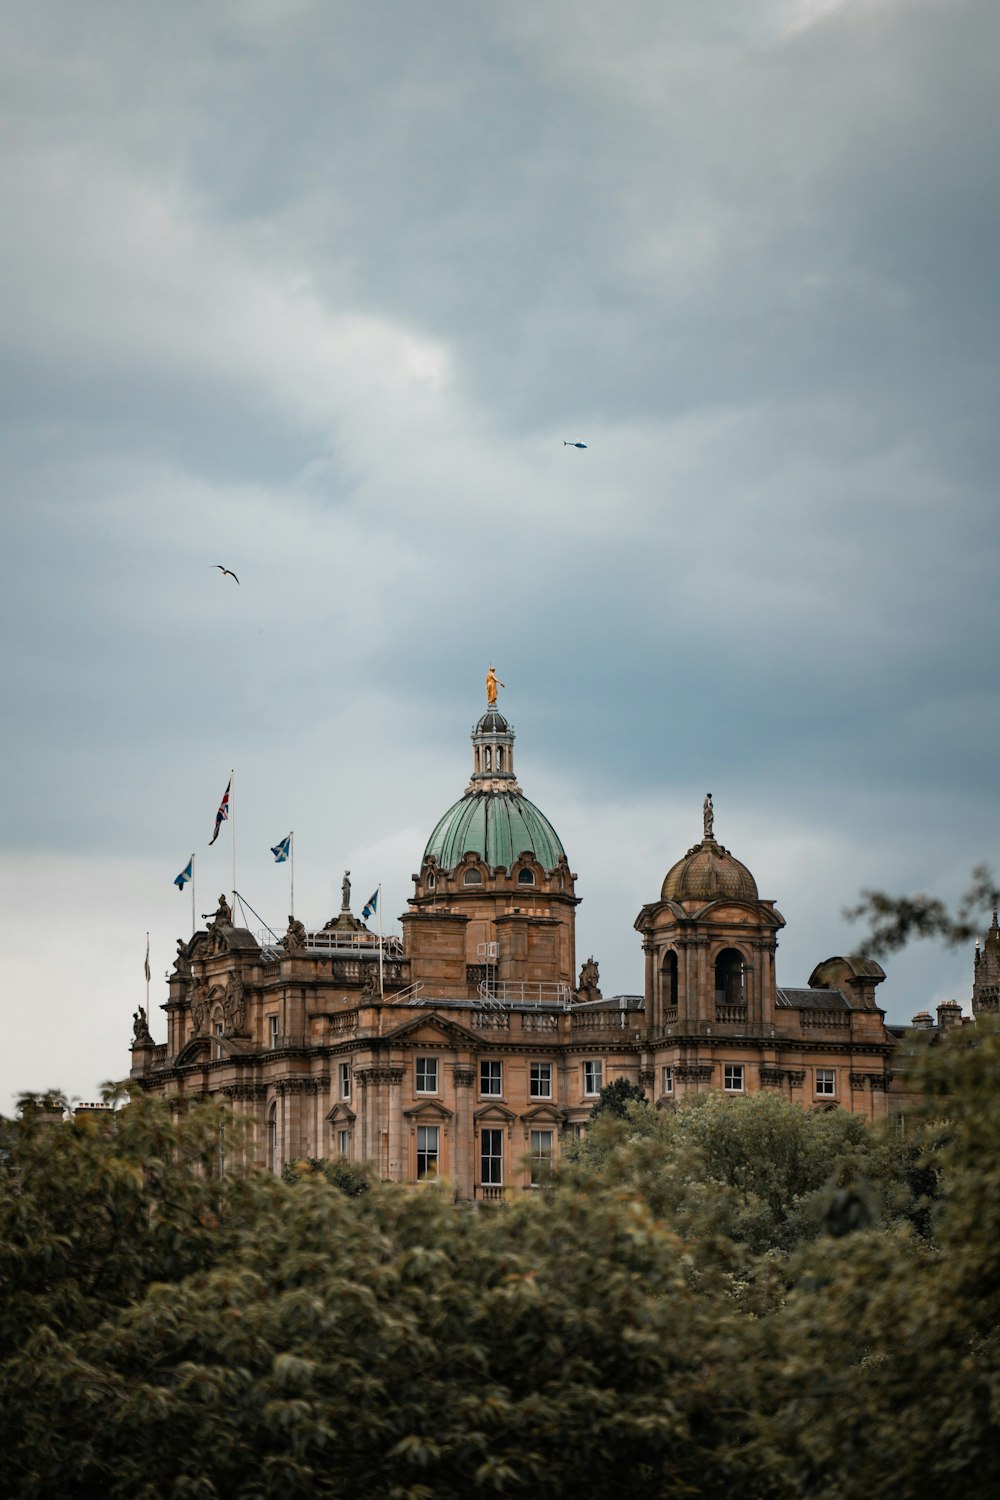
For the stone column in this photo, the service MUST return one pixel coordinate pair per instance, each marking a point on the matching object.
(462, 1144)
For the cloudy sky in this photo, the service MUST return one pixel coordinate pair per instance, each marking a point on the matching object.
(318, 290)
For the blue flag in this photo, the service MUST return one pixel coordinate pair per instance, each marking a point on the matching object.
(181, 880)
(281, 850)
(371, 905)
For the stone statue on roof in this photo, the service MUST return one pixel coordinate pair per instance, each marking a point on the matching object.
(295, 938)
(345, 892)
(492, 683)
(140, 1028)
(589, 979)
(223, 917)
(709, 816)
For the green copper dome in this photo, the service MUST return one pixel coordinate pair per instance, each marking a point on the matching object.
(498, 826)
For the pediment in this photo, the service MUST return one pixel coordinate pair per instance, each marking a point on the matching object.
(341, 1114)
(196, 1050)
(547, 1114)
(428, 1109)
(431, 1030)
(495, 1112)
(660, 916)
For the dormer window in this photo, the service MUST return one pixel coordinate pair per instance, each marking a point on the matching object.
(473, 877)
(525, 877)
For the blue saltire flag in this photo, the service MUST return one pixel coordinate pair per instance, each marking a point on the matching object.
(371, 904)
(282, 849)
(181, 880)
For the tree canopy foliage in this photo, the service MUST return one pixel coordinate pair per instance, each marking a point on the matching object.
(894, 921)
(680, 1311)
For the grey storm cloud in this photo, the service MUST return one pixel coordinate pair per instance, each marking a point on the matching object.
(318, 291)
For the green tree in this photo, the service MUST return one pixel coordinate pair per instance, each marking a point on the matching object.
(616, 1096)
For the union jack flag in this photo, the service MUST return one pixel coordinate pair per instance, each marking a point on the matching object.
(222, 816)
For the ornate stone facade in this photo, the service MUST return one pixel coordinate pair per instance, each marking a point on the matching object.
(473, 1050)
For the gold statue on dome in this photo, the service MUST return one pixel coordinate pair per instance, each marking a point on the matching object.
(492, 684)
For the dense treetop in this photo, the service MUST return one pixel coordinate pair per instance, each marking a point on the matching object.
(733, 1297)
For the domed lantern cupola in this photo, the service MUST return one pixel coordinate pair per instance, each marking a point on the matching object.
(494, 898)
(709, 943)
(493, 755)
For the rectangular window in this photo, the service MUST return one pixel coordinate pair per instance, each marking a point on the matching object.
(540, 1081)
(491, 1079)
(428, 1150)
(344, 1142)
(668, 1080)
(826, 1081)
(427, 1075)
(541, 1154)
(593, 1077)
(732, 1078)
(345, 1080)
(491, 1156)
(272, 1031)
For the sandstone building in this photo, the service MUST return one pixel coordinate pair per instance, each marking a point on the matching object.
(474, 1047)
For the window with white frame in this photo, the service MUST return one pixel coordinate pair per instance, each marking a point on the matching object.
(542, 1150)
(826, 1081)
(345, 1080)
(732, 1078)
(427, 1075)
(428, 1150)
(344, 1142)
(491, 1079)
(272, 1031)
(491, 1157)
(540, 1080)
(593, 1077)
(668, 1079)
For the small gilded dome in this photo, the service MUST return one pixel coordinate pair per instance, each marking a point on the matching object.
(706, 872)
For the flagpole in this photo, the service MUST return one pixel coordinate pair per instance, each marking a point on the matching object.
(381, 972)
(291, 873)
(147, 975)
(232, 833)
(193, 929)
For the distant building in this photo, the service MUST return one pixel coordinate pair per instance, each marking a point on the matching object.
(474, 1048)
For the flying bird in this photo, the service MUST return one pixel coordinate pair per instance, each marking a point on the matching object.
(573, 445)
(226, 571)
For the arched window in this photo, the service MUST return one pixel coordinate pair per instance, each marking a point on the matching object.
(489, 758)
(669, 984)
(525, 877)
(473, 877)
(272, 1137)
(499, 757)
(729, 979)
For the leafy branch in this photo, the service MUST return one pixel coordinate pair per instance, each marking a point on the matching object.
(895, 921)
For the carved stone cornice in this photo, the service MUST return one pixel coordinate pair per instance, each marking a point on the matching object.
(877, 1081)
(772, 1078)
(365, 1076)
(245, 1090)
(693, 1072)
(464, 1077)
(647, 1077)
(292, 1086)
(796, 1077)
